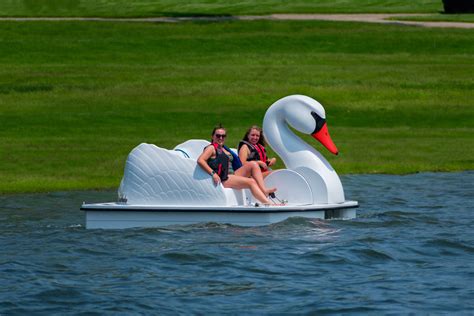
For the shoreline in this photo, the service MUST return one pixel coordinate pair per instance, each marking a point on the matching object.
(114, 189)
(381, 18)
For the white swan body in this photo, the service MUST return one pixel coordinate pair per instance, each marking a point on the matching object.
(295, 111)
(154, 175)
(157, 176)
(163, 187)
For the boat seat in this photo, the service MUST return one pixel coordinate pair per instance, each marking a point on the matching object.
(234, 196)
(192, 149)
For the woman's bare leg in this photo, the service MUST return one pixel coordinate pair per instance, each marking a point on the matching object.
(238, 182)
(266, 173)
(251, 169)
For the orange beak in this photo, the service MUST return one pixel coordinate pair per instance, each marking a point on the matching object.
(323, 137)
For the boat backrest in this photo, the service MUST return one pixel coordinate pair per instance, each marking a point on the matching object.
(192, 148)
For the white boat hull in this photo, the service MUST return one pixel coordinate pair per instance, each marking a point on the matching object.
(120, 215)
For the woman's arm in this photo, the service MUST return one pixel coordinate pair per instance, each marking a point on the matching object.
(244, 153)
(204, 157)
(202, 162)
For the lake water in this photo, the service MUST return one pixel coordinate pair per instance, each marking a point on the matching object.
(410, 250)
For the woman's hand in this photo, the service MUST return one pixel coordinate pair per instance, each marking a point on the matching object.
(262, 165)
(272, 161)
(216, 179)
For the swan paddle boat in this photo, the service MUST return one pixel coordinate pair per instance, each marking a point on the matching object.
(162, 187)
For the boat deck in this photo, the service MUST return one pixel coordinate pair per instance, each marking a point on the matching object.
(116, 215)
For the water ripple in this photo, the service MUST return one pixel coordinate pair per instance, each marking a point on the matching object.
(409, 251)
(372, 255)
(450, 244)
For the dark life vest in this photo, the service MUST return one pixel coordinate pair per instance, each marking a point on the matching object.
(257, 152)
(220, 164)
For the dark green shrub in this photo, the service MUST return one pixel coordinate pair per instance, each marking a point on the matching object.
(458, 6)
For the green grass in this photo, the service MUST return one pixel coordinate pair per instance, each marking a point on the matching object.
(133, 8)
(76, 97)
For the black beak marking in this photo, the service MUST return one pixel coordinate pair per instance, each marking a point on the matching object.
(319, 122)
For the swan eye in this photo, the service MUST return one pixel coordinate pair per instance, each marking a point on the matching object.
(319, 122)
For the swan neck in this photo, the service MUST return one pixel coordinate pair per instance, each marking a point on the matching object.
(280, 137)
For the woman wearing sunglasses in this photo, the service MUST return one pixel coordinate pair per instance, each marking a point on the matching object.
(224, 166)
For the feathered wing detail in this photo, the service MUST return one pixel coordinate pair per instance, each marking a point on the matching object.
(158, 176)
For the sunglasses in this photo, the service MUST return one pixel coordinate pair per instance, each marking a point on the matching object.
(220, 135)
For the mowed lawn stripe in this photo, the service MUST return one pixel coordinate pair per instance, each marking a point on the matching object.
(76, 97)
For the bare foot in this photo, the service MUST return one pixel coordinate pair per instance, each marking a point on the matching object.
(266, 203)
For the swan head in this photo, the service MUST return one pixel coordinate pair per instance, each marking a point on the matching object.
(308, 116)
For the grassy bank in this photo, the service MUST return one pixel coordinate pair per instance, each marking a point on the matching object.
(131, 8)
(76, 97)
